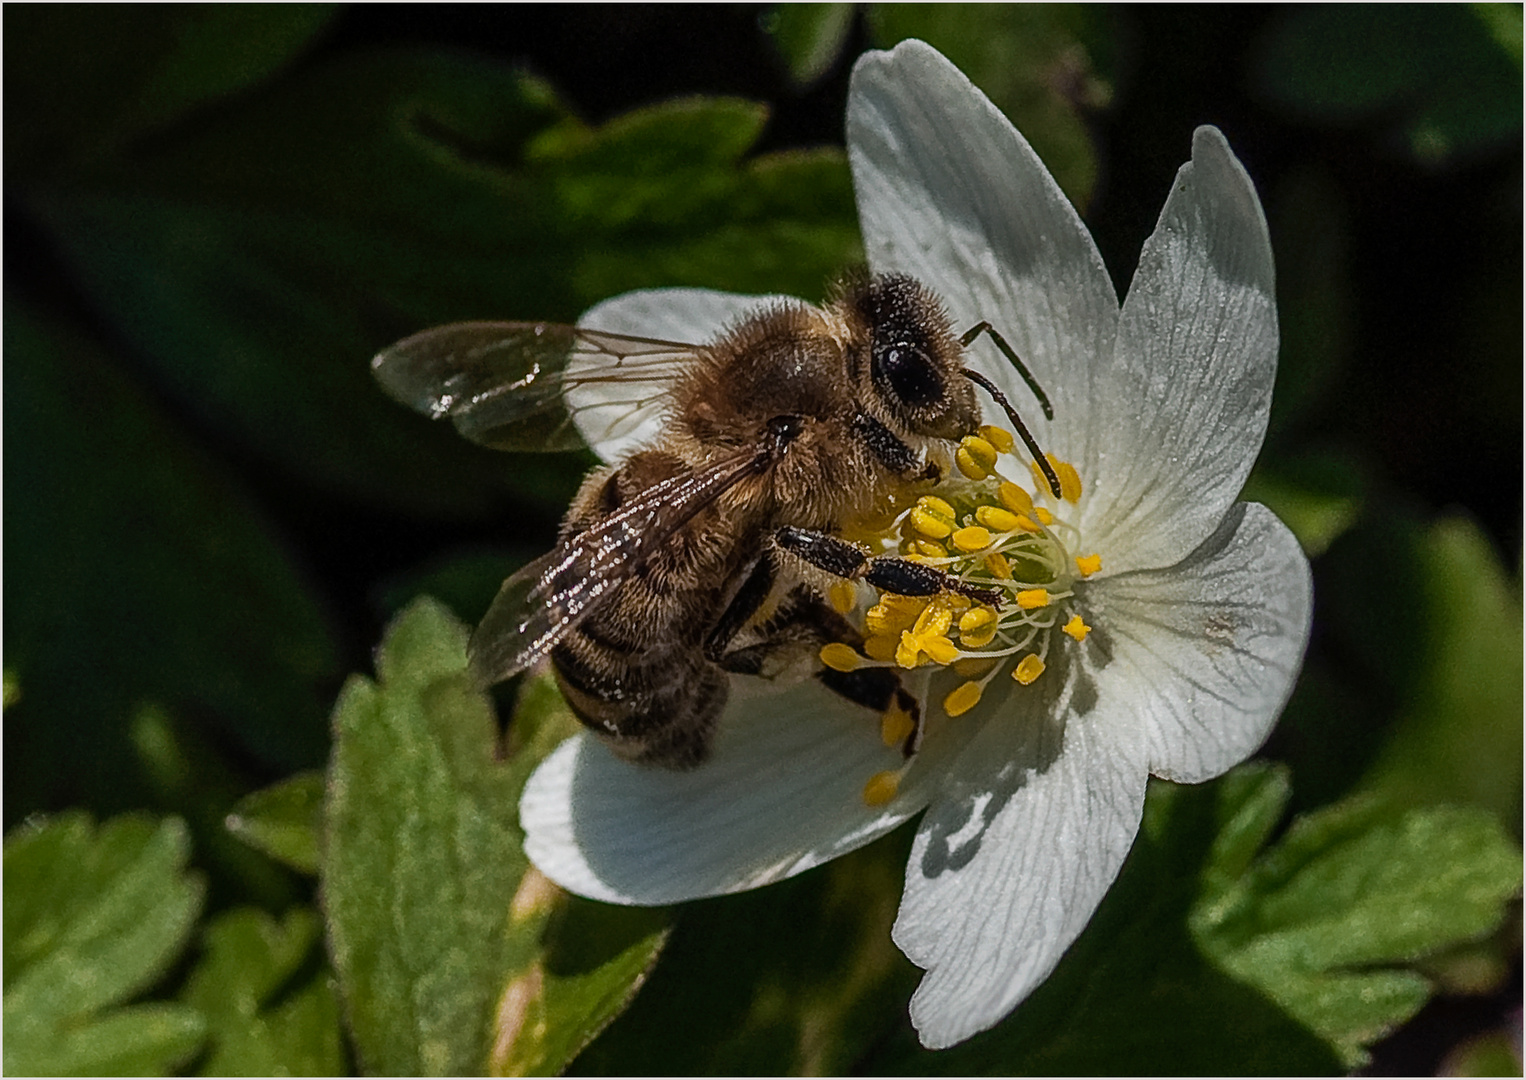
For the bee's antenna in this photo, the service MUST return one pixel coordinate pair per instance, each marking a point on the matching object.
(1022, 429)
(1011, 354)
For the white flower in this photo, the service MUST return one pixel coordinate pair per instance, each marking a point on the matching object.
(1198, 615)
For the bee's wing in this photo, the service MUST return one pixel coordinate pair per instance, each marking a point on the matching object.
(503, 384)
(541, 604)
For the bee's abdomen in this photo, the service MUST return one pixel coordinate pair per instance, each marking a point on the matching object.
(658, 706)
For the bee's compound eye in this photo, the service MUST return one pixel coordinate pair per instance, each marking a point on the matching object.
(906, 372)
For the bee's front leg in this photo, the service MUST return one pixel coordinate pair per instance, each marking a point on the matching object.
(888, 573)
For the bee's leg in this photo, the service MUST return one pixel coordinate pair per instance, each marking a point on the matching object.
(746, 603)
(888, 573)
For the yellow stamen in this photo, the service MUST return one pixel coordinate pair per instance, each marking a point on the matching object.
(994, 517)
(1070, 480)
(976, 618)
(936, 618)
(980, 638)
(934, 505)
(1028, 668)
(909, 652)
(968, 464)
(983, 453)
(881, 647)
(1028, 599)
(929, 524)
(1044, 516)
(881, 788)
(844, 597)
(1088, 564)
(972, 538)
(962, 699)
(997, 563)
(895, 725)
(1076, 628)
(840, 657)
(1000, 438)
(939, 649)
(1014, 498)
(930, 548)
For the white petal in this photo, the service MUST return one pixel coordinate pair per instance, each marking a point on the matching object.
(1210, 647)
(616, 418)
(782, 792)
(949, 192)
(1186, 399)
(1014, 856)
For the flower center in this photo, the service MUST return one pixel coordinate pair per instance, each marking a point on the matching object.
(989, 532)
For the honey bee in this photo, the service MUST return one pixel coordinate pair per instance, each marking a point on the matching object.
(704, 553)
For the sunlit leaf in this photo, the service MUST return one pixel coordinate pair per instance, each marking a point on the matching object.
(452, 954)
(93, 916)
(267, 997)
(1328, 921)
(284, 820)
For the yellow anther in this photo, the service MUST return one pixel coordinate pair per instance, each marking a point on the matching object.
(1014, 498)
(968, 464)
(930, 524)
(1088, 564)
(895, 725)
(997, 519)
(883, 620)
(936, 618)
(976, 618)
(997, 563)
(1044, 516)
(908, 606)
(1070, 481)
(929, 548)
(982, 452)
(908, 653)
(1028, 599)
(1076, 628)
(1027, 524)
(978, 639)
(844, 597)
(1028, 668)
(972, 538)
(973, 667)
(956, 602)
(881, 788)
(1000, 438)
(934, 505)
(840, 657)
(881, 647)
(939, 649)
(962, 699)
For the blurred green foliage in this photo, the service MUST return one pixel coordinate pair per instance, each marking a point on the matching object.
(217, 214)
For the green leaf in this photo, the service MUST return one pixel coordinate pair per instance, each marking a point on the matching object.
(800, 978)
(445, 941)
(809, 37)
(1451, 73)
(1038, 62)
(1326, 922)
(269, 1001)
(84, 77)
(263, 260)
(283, 820)
(1318, 495)
(93, 917)
(138, 572)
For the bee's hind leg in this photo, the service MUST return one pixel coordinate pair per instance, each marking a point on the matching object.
(888, 573)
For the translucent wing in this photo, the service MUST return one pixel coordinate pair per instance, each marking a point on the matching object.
(506, 384)
(539, 605)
